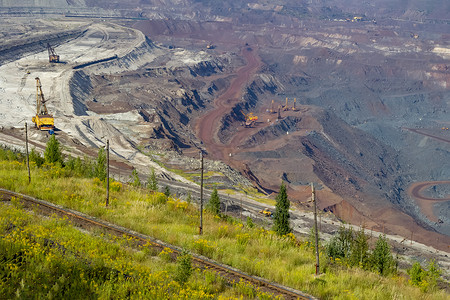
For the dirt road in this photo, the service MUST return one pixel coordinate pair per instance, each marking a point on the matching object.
(439, 138)
(426, 203)
(208, 125)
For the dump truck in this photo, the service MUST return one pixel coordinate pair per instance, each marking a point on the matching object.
(42, 120)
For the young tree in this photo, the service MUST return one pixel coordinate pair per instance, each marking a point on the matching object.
(167, 191)
(417, 274)
(189, 198)
(100, 166)
(281, 217)
(152, 181)
(360, 248)
(214, 202)
(184, 267)
(382, 261)
(134, 178)
(36, 157)
(52, 152)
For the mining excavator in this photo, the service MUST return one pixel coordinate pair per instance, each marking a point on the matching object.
(250, 119)
(43, 120)
(52, 57)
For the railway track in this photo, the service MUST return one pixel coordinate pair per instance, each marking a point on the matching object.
(87, 222)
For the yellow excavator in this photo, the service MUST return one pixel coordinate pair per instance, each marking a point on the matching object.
(250, 119)
(43, 120)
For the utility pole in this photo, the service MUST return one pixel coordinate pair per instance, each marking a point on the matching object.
(107, 173)
(313, 195)
(201, 194)
(26, 150)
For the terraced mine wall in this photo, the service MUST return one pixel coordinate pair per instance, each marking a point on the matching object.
(94, 62)
(14, 49)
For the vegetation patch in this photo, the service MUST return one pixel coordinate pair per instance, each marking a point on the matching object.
(280, 258)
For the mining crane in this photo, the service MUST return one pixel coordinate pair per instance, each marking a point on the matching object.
(294, 108)
(250, 119)
(43, 120)
(286, 107)
(52, 57)
(272, 108)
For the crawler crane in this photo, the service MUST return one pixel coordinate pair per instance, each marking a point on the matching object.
(52, 57)
(43, 120)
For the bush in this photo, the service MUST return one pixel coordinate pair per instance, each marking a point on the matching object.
(100, 166)
(134, 179)
(184, 267)
(424, 279)
(52, 152)
(214, 202)
(250, 223)
(35, 157)
(152, 182)
(167, 191)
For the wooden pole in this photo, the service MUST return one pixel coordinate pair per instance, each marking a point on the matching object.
(313, 195)
(107, 173)
(26, 151)
(201, 195)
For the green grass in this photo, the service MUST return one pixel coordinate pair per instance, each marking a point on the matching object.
(47, 258)
(255, 251)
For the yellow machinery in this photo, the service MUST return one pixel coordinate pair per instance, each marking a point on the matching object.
(52, 57)
(294, 108)
(266, 212)
(43, 120)
(250, 119)
(272, 108)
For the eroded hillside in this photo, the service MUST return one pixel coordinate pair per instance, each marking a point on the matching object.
(371, 84)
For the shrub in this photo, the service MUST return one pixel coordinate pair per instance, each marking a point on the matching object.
(184, 267)
(52, 152)
(152, 182)
(35, 157)
(214, 202)
(359, 250)
(416, 274)
(100, 166)
(167, 191)
(250, 223)
(134, 179)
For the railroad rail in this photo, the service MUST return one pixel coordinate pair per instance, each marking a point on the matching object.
(88, 222)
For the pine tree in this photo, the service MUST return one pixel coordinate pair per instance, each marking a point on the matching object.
(152, 182)
(360, 248)
(100, 166)
(382, 261)
(52, 152)
(214, 202)
(281, 217)
(134, 178)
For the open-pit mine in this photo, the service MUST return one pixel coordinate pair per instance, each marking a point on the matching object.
(353, 98)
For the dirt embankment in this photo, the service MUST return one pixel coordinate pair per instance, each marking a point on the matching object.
(207, 125)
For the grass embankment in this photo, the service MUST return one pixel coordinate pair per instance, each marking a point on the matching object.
(47, 258)
(252, 250)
